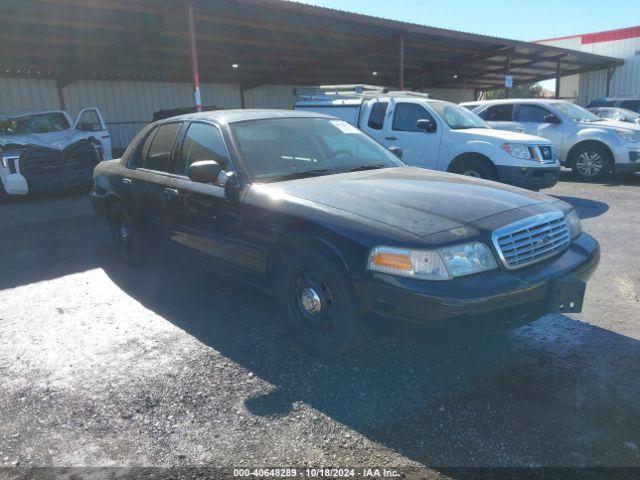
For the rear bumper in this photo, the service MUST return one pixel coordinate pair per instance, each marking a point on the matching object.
(533, 178)
(490, 301)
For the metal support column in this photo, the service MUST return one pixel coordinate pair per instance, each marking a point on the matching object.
(507, 90)
(60, 85)
(401, 64)
(194, 58)
(610, 72)
(558, 77)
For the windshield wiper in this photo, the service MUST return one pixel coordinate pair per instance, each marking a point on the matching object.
(302, 174)
(366, 166)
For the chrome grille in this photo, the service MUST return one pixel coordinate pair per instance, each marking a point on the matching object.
(532, 240)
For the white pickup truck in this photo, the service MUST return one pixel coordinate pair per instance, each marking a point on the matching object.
(440, 135)
(46, 150)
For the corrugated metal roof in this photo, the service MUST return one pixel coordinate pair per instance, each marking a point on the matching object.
(272, 41)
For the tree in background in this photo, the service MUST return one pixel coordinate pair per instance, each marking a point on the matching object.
(519, 91)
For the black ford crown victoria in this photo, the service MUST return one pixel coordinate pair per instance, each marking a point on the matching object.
(337, 227)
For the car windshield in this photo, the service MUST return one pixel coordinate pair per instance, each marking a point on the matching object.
(458, 118)
(41, 123)
(286, 148)
(576, 113)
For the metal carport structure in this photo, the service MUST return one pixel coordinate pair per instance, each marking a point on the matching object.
(249, 43)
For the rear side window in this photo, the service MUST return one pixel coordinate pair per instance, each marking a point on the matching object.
(377, 115)
(497, 113)
(202, 142)
(601, 102)
(631, 105)
(406, 117)
(158, 153)
(531, 113)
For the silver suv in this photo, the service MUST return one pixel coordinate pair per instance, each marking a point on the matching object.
(591, 146)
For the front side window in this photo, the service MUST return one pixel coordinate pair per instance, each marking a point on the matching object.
(41, 123)
(406, 116)
(456, 117)
(532, 114)
(89, 122)
(202, 142)
(498, 113)
(276, 149)
(377, 115)
(158, 153)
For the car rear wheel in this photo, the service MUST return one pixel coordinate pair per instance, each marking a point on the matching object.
(591, 162)
(319, 304)
(125, 235)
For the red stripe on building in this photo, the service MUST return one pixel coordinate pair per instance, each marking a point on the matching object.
(611, 35)
(598, 37)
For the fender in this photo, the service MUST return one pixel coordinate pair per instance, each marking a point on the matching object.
(479, 147)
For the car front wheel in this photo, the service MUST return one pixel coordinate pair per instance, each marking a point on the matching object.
(319, 304)
(591, 162)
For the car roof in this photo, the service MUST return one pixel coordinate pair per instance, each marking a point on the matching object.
(233, 116)
(519, 100)
(26, 113)
(631, 97)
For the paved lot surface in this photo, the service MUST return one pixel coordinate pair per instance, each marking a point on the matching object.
(101, 364)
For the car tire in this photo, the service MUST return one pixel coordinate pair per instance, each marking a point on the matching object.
(319, 304)
(477, 168)
(3, 194)
(591, 162)
(125, 236)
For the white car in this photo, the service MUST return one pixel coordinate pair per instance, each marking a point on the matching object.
(442, 136)
(46, 150)
(588, 144)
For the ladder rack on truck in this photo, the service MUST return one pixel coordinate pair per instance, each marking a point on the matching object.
(360, 91)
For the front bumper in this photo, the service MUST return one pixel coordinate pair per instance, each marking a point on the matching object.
(626, 158)
(489, 301)
(533, 178)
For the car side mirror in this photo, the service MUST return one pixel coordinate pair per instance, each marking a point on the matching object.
(550, 119)
(204, 171)
(426, 125)
(397, 151)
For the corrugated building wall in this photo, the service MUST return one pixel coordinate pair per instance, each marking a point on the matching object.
(28, 94)
(127, 106)
(623, 43)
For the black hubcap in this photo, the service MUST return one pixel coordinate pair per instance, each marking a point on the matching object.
(123, 233)
(311, 301)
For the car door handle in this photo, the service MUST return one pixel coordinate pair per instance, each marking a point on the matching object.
(126, 181)
(171, 194)
(390, 138)
(518, 129)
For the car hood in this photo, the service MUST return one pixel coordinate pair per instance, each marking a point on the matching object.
(57, 140)
(611, 125)
(504, 135)
(418, 201)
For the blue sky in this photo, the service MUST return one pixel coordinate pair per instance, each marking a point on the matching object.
(516, 19)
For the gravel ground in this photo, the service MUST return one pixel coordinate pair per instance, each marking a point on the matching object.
(172, 365)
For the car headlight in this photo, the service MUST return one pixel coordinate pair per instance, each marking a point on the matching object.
(441, 264)
(573, 222)
(517, 150)
(629, 135)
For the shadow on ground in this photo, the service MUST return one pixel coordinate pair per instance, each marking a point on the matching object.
(612, 180)
(557, 392)
(585, 207)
